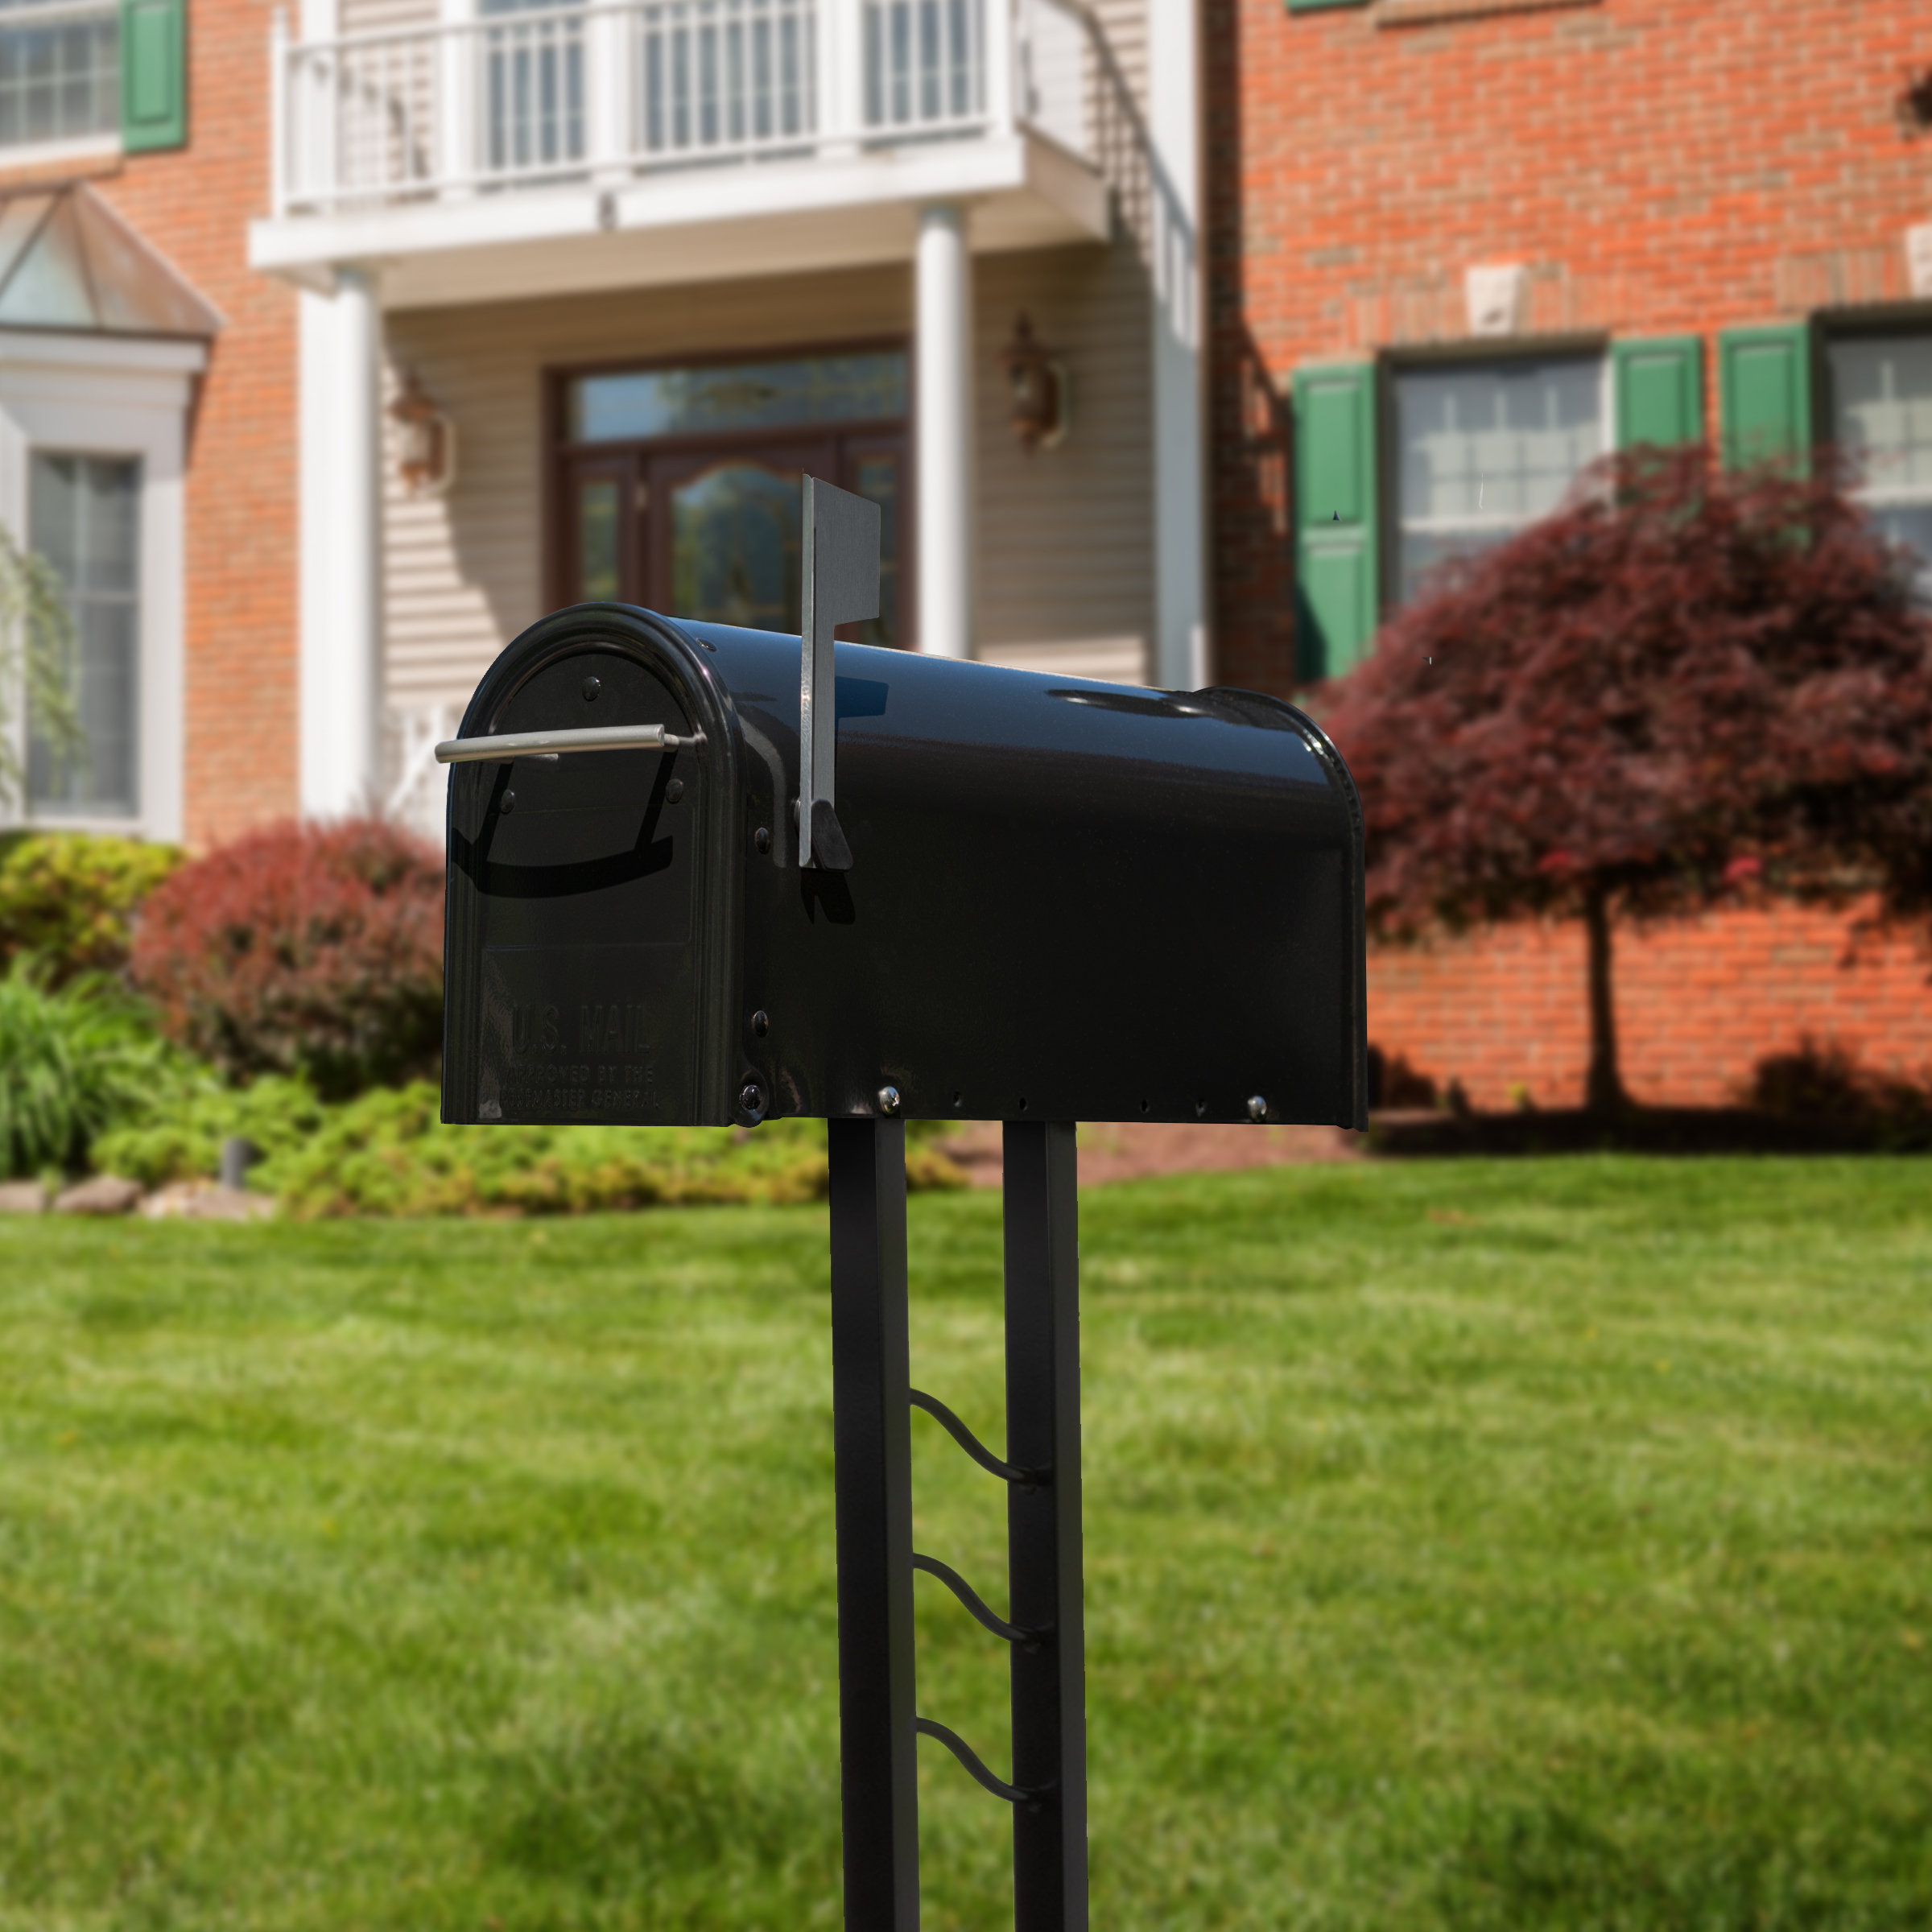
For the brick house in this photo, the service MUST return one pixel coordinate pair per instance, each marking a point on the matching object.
(472, 307)
(1459, 248)
(336, 346)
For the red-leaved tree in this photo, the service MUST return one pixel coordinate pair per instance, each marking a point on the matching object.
(1683, 681)
(317, 949)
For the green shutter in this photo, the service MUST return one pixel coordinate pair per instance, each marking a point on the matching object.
(1335, 511)
(1765, 389)
(153, 74)
(1316, 7)
(1660, 390)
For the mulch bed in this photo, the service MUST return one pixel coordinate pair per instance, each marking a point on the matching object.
(1641, 1130)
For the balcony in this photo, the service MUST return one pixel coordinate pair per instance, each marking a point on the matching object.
(672, 140)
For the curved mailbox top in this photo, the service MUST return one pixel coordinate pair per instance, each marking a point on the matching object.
(1064, 900)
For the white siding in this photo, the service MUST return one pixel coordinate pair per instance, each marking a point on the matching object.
(1065, 537)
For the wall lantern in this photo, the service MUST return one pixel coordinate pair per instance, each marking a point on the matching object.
(1036, 382)
(427, 441)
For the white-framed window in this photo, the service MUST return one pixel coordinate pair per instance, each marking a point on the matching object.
(1881, 418)
(1484, 449)
(59, 73)
(92, 443)
(84, 516)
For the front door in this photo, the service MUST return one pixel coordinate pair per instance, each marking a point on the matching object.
(707, 525)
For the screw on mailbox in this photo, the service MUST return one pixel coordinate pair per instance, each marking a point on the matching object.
(1185, 920)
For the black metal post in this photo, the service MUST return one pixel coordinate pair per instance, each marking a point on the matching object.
(1043, 1526)
(871, 1432)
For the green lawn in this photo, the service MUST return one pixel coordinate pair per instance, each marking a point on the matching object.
(1542, 1545)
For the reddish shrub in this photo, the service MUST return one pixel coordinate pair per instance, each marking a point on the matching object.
(310, 949)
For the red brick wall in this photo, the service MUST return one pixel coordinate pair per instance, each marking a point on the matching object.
(1656, 167)
(194, 205)
(1698, 1002)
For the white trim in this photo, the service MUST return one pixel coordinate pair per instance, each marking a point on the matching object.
(339, 427)
(1065, 200)
(1181, 645)
(163, 355)
(54, 153)
(122, 397)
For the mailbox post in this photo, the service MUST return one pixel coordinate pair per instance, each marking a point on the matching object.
(707, 876)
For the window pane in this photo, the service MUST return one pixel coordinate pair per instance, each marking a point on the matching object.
(599, 541)
(61, 79)
(83, 515)
(643, 403)
(1483, 452)
(1882, 412)
(1882, 418)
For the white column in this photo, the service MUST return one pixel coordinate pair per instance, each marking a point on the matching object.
(1181, 655)
(340, 487)
(944, 428)
(459, 62)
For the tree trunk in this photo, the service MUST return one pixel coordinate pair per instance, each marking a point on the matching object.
(1603, 1086)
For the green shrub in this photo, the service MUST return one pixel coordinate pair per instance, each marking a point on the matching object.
(73, 1061)
(69, 897)
(388, 1154)
(178, 1137)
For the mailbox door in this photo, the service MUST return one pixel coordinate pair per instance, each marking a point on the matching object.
(591, 952)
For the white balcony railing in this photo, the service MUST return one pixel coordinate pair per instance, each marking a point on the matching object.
(605, 91)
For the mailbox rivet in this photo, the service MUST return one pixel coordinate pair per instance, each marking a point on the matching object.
(674, 791)
(763, 838)
(761, 1022)
(1257, 1107)
(751, 1097)
(888, 1100)
(508, 801)
(592, 686)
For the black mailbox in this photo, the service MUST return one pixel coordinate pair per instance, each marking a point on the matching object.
(1065, 900)
(686, 888)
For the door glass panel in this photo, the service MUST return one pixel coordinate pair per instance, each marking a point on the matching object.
(878, 478)
(84, 517)
(735, 546)
(636, 404)
(599, 540)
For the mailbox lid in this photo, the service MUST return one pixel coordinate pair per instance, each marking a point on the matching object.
(1066, 899)
(590, 921)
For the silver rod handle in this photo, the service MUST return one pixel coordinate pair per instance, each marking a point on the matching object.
(548, 744)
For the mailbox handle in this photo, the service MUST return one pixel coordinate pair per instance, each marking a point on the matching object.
(548, 743)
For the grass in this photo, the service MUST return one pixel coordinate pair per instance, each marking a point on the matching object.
(1540, 1545)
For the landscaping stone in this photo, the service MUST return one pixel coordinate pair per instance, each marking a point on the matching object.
(104, 1194)
(22, 1197)
(206, 1201)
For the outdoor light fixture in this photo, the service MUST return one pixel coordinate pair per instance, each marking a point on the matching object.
(427, 441)
(1036, 380)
